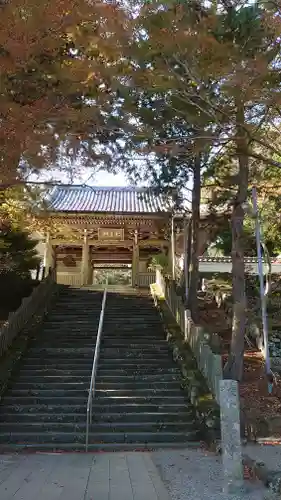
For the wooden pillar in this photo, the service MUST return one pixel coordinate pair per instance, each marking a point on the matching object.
(135, 261)
(90, 270)
(85, 260)
(172, 250)
(48, 254)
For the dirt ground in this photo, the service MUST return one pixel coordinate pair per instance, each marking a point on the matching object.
(257, 404)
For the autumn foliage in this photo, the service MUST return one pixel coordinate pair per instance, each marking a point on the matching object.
(56, 78)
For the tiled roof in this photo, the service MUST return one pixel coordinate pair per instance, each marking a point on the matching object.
(105, 199)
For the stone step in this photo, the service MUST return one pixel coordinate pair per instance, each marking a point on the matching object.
(81, 315)
(81, 335)
(76, 391)
(101, 400)
(59, 356)
(78, 304)
(75, 318)
(136, 326)
(121, 317)
(71, 332)
(137, 385)
(95, 447)
(108, 352)
(102, 381)
(109, 331)
(67, 368)
(71, 323)
(123, 333)
(61, 351)
(146, 353)
(61, 408)
(31, 373)
(150, 397)
(11, 407)
(138, 371)
(49, 379)
(118, 318)
(53, 341)
(62, 392)
(98, 437)
(135, 319)
(81, 312)
(122, 330)
(129, 417)
(78, 371)
(60, 384)
(138, 342)
(108, 339)
(132, 346)
(63, 337)
(134, 354)
(87, 362)
(91, 342)
(142, 378)
(146, 361)
(36, 418)
(60, 344)
(97, 427)
(67, 305)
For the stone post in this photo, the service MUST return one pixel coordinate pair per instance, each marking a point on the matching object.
(48, 254)
(135, 260)
(173, 248)
(85, 260)
(231, 437)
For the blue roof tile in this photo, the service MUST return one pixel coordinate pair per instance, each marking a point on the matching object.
(106, 199)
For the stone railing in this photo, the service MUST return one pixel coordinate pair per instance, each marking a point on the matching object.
(209, 363)
(28, 308)
(224, 265)
(247, 260)
(146, 279)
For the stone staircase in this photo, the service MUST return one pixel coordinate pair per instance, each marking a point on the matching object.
(139, 402)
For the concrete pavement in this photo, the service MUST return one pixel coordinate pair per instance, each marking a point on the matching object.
(183, 474)
(74, 476)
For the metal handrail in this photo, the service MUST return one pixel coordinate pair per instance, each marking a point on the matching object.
(92, 389)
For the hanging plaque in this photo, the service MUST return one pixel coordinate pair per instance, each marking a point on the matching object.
(110, 234)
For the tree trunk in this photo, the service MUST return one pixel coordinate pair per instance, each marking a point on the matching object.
(189, 249)
(234, 366)
(194, 276)
(187, 259)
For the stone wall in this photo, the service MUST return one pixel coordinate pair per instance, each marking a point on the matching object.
(10, 361)
(193, 380)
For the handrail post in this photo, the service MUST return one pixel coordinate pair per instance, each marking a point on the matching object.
(87, 430)
(94, 369)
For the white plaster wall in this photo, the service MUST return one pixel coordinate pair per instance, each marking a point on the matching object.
(40, 247)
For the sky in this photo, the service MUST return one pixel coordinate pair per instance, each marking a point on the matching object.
(103, 178)
(100, 178)
(97, 178)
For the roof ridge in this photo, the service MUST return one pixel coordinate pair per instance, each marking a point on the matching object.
(102, 188)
